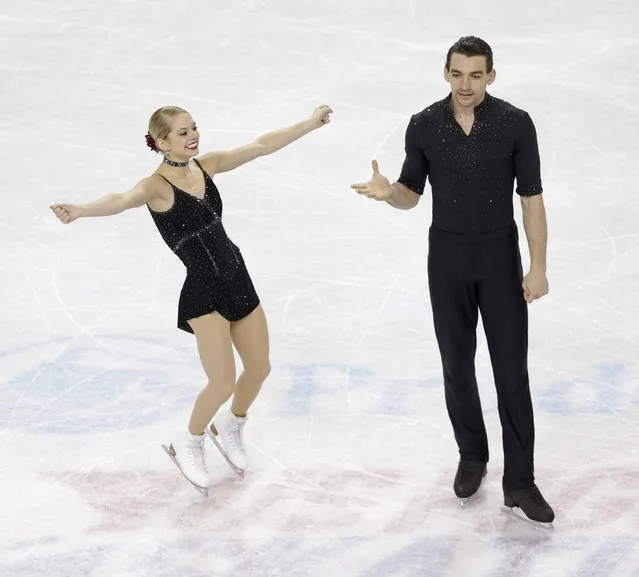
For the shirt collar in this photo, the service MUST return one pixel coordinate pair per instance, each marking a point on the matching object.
(479, 109)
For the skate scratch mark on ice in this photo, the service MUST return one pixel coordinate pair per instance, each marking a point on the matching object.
(65, 418)
(289, 300)
(36, 298)
(66, 391)
(50, 360)
(343, 31)
(114, 404)
(594, 242)
(78, 424)
(387, 136)
(94, 376)
(584, 56)
(578, 313)
(554, 148)
(282, 95)
(331, 281)
(218, 103)
(566, 130)
(285, 468)
(613, 260)
(329, 492)
(59, 256)
(66, 311)
(388, 215)
(373, 322)
(598, 502)
(309, 436)
(630, 424)
(28, 386)
(626, 97)
(89, 27)
(613, 89)
(359, 107)
(80, 94)
(623, 317)
(33, 239)
(396, 481)
(309, 182)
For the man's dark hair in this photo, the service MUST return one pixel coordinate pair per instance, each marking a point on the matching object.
(471, 46)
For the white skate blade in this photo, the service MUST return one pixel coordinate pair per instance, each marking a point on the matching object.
(223, 452)
(516, 513)
(202, 490)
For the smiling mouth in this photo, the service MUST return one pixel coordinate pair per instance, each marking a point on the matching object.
(192, 146)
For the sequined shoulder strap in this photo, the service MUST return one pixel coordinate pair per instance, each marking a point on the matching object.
(206, 174)
(164, 177)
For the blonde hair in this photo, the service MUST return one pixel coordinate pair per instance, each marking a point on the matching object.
(160, 121)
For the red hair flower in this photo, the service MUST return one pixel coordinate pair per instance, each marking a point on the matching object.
(151, 143)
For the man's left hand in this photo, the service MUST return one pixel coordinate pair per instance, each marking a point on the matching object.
(535, 285)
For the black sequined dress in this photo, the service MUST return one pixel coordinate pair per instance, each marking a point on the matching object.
(216, 276)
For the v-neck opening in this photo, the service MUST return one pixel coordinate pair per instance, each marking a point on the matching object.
(184, 192)
(206, 183)
(206, 187)
(470, 132)
(193, 195)
(478, 111)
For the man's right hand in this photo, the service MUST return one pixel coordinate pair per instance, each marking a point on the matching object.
(378, 187)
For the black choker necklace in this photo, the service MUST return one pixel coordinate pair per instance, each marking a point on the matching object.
(172, 163)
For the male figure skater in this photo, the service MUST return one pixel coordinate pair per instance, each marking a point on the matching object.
(472, 147)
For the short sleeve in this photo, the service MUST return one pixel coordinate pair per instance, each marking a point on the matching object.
(415, 167)
(526, 160)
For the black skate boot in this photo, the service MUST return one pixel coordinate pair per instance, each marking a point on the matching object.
(468, 478)
(531, 502)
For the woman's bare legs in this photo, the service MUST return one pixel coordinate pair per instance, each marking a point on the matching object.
(213, 335)
(251, 339)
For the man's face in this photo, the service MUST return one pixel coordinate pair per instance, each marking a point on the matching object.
(468, 79)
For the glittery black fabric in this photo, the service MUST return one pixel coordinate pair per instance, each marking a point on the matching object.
(472, 177)
(216, 278)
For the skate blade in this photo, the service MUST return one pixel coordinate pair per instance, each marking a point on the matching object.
(468, 501)
(519, 515)
(223, 452)
(202, 490)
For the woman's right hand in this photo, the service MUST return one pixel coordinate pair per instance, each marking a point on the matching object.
(67, 213)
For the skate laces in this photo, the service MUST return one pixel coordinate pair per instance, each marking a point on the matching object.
(470, 467)
(196, 455)
(534, 494)
(235, 436)
(531, 495)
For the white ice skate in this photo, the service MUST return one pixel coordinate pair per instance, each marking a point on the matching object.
(187, 452)
(226, 434)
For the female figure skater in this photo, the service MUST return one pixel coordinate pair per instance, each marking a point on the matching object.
(218, 302)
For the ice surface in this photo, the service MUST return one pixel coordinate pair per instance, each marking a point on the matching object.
(353, 455)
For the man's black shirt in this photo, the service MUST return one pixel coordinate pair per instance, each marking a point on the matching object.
(472, 177)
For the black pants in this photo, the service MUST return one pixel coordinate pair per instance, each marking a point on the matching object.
(467, 274)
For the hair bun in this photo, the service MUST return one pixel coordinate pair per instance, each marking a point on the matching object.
(151, 143)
